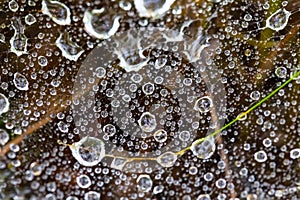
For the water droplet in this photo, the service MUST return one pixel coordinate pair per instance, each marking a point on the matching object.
(20, 81)
(72, 198)
(295, 153)
(154, 8)
(248, 17)
(185, 136)
(144, 183)
(125, 5)
(57, 11)
(13, 5)
(278, 20)
(92, 195)
(4, 136)
(69, 49)
(63, 127)
(160, 62)
(2, 38)
(42, 60)
(167, 159)
(252, 197)
(205, 149)
(281, 72)
(83, 181)
(30, 19)
(147, 122)
(118, 163)
(36, 169)
(18, 42)
(4, 104)
(100, 23)
(255, 95)
(158, 189)
(89, 151)
(203, 104)
(203, 197)
(260, 156)
(109, 130)
(160, 135)
(148, 88)
(221, 183)
(100, 72)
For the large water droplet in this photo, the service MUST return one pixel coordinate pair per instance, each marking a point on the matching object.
(20, 81)
(152, 8)
(278, 20)
(100, 23)
(167, 159)
(18, 42)
(4, 104)
(4, 137)
(205, 149)
(89, 151)
(69, 49)
(57, 11)
(147, 122)
(144, 183)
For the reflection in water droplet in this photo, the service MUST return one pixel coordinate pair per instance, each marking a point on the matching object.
(278, 20)
(167, 159)
(147, 122)
(57, 11)
(160, 135)
(203, 104)
(153, 8)
(89, 151)
(69, 49)
(92, 195)
(100, 23)
(144, 183)
(83, 181)
(4, 104)
(18, 42)
(260, 156)
(205, 149)
(20, 81)
(4, 137)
